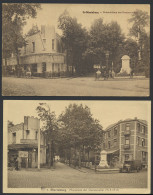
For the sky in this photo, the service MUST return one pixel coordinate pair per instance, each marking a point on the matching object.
(107, 112)
(50, 13)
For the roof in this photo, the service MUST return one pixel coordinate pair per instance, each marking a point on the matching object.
(16, 127)
(126, 120)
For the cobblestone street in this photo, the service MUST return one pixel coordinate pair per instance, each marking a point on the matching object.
(83, 86)
(66, 177)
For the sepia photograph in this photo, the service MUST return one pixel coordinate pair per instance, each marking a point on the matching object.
(61, 146)
(75, 49)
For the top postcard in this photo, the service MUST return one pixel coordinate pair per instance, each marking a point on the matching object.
(75, 49)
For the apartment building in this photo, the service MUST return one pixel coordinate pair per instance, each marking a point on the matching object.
(23, 143)
(126, 140)
(42, 53)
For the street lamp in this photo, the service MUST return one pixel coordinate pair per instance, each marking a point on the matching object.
(107, 56)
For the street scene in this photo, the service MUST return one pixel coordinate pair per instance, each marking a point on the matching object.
(64, 176)
(70, 55)
(76, 144)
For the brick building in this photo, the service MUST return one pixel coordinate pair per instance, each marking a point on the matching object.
(126, 140)
(23, 143)
(42, 54)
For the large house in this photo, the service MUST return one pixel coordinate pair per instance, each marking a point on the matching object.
(42, 54)
(23, 143)
(126, 140)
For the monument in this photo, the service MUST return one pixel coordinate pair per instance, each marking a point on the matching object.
(125, 64)
(103, 159)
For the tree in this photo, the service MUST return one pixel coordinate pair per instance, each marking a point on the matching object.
(14, 16)
(140, 20)
(79, 130)
(104, 38)
(75, 40)
(50, 128)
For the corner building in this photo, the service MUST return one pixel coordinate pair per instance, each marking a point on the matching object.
(23, 143)
(43, 53)
(126, 140)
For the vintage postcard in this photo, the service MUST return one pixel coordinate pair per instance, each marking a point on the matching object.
(75, 49)
(97, 147)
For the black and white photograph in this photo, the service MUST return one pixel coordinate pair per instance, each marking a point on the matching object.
(75, 49)
(74, 146)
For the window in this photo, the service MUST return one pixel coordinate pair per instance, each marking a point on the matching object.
(53, 44)
(109, 145)
(138, 127)
(44, 67)
(143, 142)
(127, 140)
(138, 141)
(115, 131)
(143, 129)
(53, 67)
(127, 127)
(33, 47)
(36, 135)
(115, 142)
(44, 43)
(27, 134)
(144, 156)
(13, 138)
(109, 133)
(127, 157)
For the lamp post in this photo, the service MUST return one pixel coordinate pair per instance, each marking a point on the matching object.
(107, 57)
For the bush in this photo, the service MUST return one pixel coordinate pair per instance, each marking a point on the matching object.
(123, 74)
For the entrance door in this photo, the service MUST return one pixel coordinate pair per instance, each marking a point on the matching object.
(23, 162)
(29, 160)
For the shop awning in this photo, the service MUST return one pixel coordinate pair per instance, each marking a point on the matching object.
(112, 151)
(22, 146)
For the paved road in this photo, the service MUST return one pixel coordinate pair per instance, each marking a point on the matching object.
(66, 177)
(74, 87)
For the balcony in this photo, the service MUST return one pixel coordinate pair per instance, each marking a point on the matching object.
(127, 132)
(127, 146)
(28, 141)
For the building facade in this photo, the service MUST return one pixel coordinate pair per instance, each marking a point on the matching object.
(23, 143)
(42, 54)
(126, 140)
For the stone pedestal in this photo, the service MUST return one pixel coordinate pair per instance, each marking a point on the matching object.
(103, 159)
(125, 64)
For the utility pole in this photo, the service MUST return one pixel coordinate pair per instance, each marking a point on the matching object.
(38, 144)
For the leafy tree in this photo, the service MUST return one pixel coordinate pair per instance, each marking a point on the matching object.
(74, 38)
(79, 130)
(50, 128)
(140, 20)
(14, 17)
(103, 38)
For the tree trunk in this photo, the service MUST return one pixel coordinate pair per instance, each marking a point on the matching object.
(79, 158)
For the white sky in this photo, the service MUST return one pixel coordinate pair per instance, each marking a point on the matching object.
(50, 13)
(107, 112)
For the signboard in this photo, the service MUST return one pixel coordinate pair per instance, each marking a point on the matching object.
(23, 154)
(96, 66)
